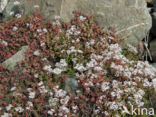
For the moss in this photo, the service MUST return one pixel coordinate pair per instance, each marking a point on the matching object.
(130, 55)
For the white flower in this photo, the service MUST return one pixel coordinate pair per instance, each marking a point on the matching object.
(106, 113)
(6, 115)
(60, 93)
(146, 83)
(12, 13)
(51, 93)
(80, 67)
(36, 6)
(82, 18)
(45, 30)
(39, 30)
(115, 84)
(30, 104)
(117, 67)
(18, 16)
(29, 89)
(57, 23)
(77, 32)
(93, 76)
(78, 91)
(13, 88)
(141, 92)
(64, 109)
(101, 98)
(132, 48)
(19, 109)
(92, 63)
(16, 3)
(65, 100)
(53, 102)
(60, 114)
(137, 96)
(75, 108)
(40, 83)
(113, 94)
(51, 111)
(98, 69)
(36, 53)
(56, 87)
(57, 17)
(15, 28)
(141, 104)
(113, 105)
(31, 95)
(57, 71)
(3, 42)
(8, 107)
(72, 31)
(61, 64)
(44, 59)
(42, 44)
(77, 40)
(92, 42)
(80, 51)
(42, 89)
(105, 86)
(90, 84)
(71, 50)
(36, 75)
(96, 111)
(74, 60)
(48, 68)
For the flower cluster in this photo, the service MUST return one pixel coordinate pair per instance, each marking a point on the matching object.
(107, 80)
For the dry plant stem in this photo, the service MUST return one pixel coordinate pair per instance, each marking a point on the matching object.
(146, 47)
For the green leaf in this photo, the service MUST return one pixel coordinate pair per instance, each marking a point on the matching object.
(68, 59)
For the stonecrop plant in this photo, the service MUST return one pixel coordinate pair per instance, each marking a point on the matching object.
(108, 82)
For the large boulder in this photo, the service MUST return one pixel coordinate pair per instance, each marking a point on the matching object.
(49, 8)
(130, 18)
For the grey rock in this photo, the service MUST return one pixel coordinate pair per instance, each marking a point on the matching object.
(49, 8)
(153, 49)
(71, 84)
(18, 57)
(130, 18)
(3, 4)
